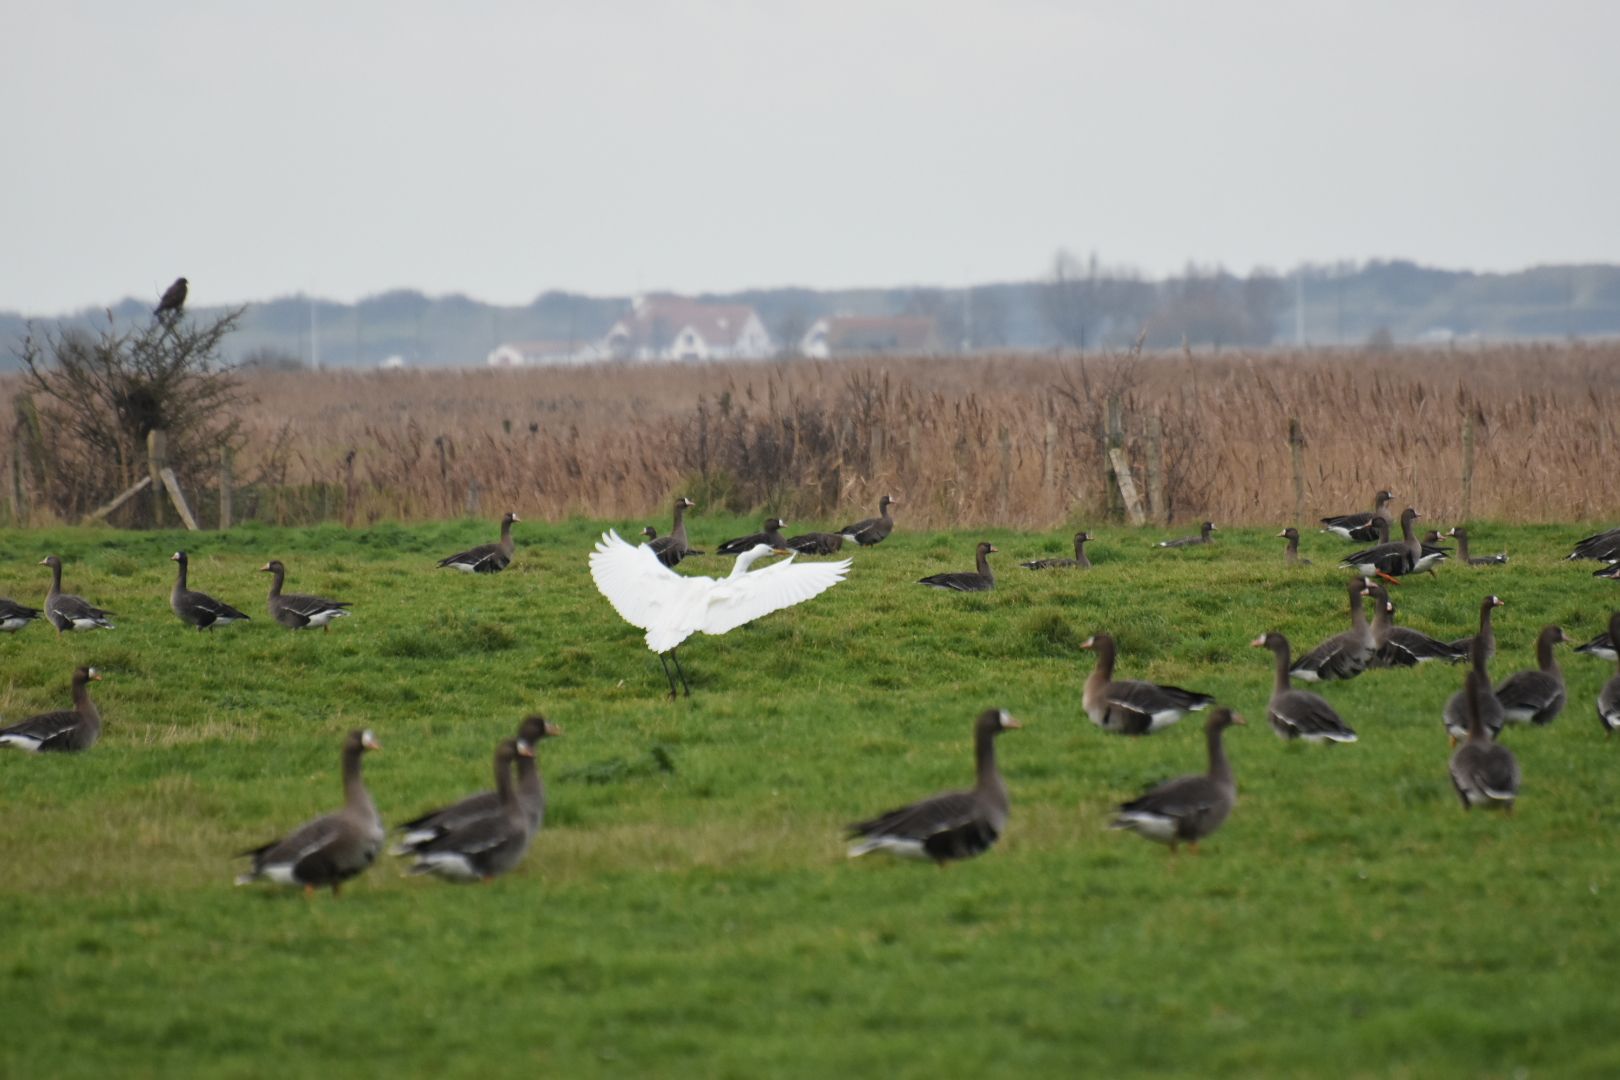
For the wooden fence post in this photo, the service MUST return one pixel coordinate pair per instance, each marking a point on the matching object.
(1296, 456)
(1114, 440)
(1155, 448)
(19, 504)
(1468, 463)
(1005, 439)
(472, 497)
(350, 494)
(227, 488)
(157, 447)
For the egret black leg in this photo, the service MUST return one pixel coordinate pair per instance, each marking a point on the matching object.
(668, 676)
(677, 657)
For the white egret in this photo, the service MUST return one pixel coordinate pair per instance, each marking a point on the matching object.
(672, 607)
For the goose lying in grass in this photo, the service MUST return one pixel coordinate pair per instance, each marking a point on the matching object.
(871, 531)
(1360, 527)
(1344, 655)
(1188, 808)
(1461, 535)
(1130, 706)
(332, 848)
(979, 580)
(955, 825)
(15, 616)
(1536, 696)
(1079, 562)
(198, 609)
(487, 558)
(1190, 541)
(65, 731)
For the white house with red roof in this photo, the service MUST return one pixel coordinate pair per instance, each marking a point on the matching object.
(675, 328)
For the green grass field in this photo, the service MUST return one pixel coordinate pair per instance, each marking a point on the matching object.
(688, 910)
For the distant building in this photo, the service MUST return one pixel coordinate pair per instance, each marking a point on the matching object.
(542, 353)
(392, 363)
(859, 335)
(674, 328)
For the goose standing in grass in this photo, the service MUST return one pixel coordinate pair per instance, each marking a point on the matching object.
(1345, 655)
(296, 611)
(770, 535)
(487, 558)
(1079, 562)
(1603, 546)
(1189, 808)
(1486, 632)
(1299, 714)
(1189, 541)
(872, 530)
(1390, 561)
(15, 616)
(485, 847)
(1402, 646)
(1360, 527)
(1484, 772)
(979, 580)
(1461, 536)
(1608, 701)
(66, 611)
(72, 729)
(1291, 553)
(198, 609)
(673, 548)
(671, 607)
(334, 847)
(531, 794)
(955, 825)
(1456, 713)
(1130, 706)
(1536, 696)
(815, 543)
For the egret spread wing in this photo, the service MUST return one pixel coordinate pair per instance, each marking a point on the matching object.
(742, 599)
(647, 594)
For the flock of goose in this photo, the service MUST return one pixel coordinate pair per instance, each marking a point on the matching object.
(486, 834)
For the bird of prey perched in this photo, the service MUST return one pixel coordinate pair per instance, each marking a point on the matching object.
(174, 299)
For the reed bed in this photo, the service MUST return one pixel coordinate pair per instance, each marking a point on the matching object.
(1015, 440)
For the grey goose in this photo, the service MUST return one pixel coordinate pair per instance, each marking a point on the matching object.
(195, 608)
(1291, 552)
(295, 610)
(1390, 561)
(531, 794)
(15, 616)
(66, 611)
(649, 533)
(484, 847)
(332, 848)
(1461, 535)
(673, 548)
(1299, 714)
(1608, 701)
(1079, 562)
(1603, 546)
(1457, 714)
(1536, 696)
(68, 730)
(871, 531)
(954, 825)
(815, 543)
(1344, 655)
(486, 558)
(770, 535)
(1131, 706)
(1402, 646)
(981, 579)
(1189, 808)
(1190, 541)
(1601, 647)
(1486, 632)
(1360, 527)
(1483, 771)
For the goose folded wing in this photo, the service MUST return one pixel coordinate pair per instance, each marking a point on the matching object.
(484, 557)
(457, 815)
(919, 821)
(742, 600)
(42, 729)
(204, 604)
(1532, 690)
(1309, 714)
(1336, 658)
(1149, 699)
(304, 843)
(74, 607)
(311, 606)
(1183, 799)
(1406, 648)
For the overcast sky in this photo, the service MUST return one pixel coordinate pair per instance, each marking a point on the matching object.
(500, 149)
